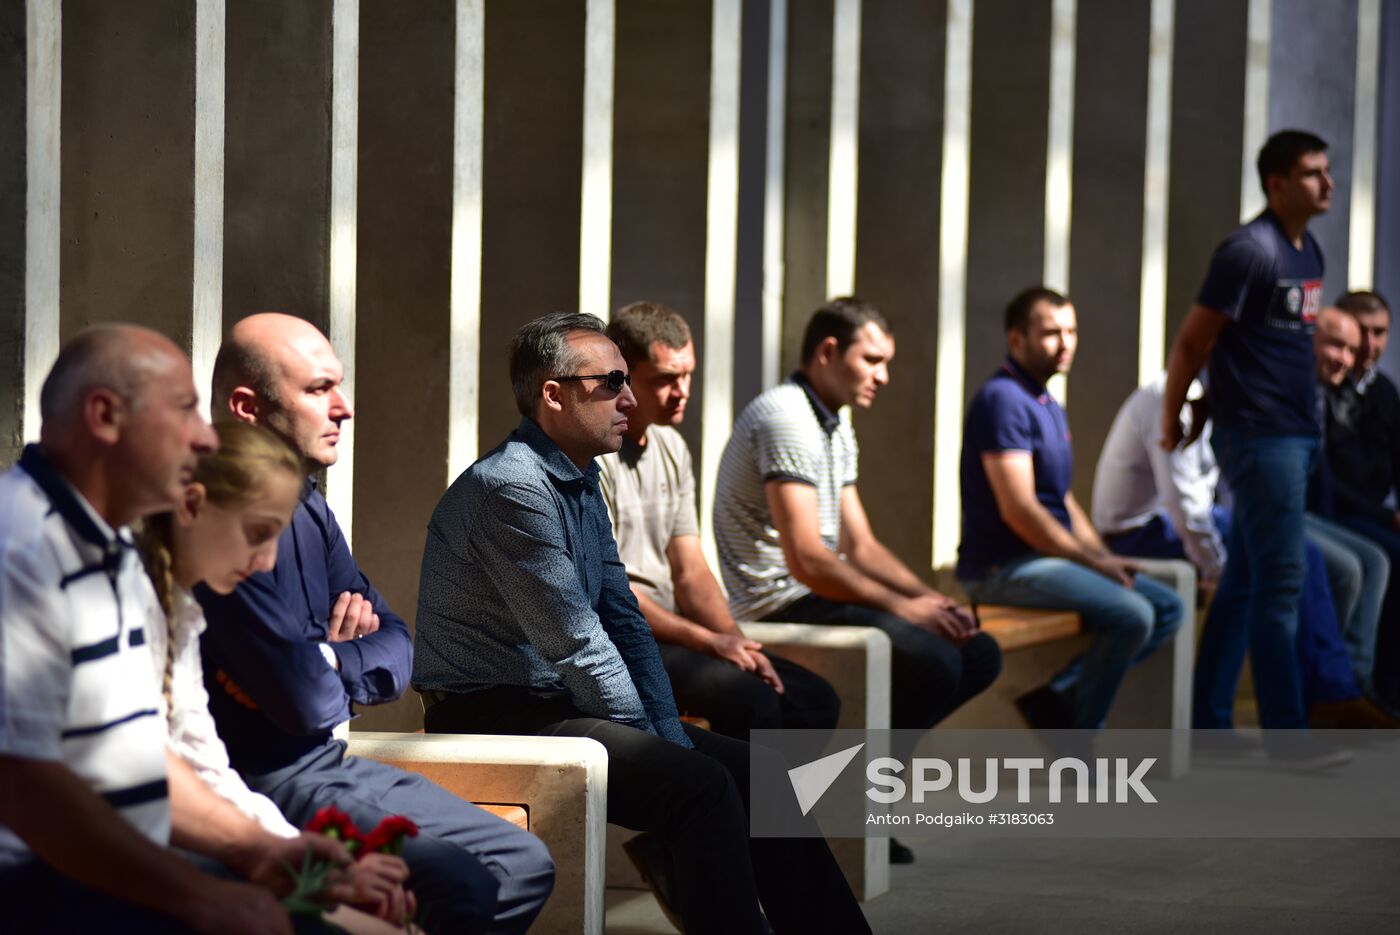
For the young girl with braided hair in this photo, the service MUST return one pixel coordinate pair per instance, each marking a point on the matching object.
(225, 528)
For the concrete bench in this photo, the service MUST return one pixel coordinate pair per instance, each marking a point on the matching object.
(558, 786)
(1156, 694)
(856, 661)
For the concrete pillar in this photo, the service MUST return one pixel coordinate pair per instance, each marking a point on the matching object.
(1006, 229)
(402, 300)
(1110, 140)
(13, 126)
(1206, 143)
(808, 147)
(127, 190)
(661, 137)
(277, 179)
(531, 183)
(901, 146)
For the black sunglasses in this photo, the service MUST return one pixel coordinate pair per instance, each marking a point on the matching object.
(613, 379)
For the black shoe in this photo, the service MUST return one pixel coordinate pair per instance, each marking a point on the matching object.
(900, 853)
(1045, 709)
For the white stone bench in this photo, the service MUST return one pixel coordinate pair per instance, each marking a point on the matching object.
(856, 661)
(560, 782)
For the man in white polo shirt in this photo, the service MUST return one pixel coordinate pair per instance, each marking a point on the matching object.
(89, 795)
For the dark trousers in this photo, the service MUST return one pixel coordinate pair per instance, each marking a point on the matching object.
(736, 702)
(696, 804)
(1386, 678)
(471, 871)
(931, 676)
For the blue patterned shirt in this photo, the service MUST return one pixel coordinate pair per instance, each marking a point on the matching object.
(521, 585)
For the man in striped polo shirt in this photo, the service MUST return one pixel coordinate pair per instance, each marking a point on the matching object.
(794, 541)
(89, 794)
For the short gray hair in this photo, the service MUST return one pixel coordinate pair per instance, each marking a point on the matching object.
(99, 357)
(540, 350)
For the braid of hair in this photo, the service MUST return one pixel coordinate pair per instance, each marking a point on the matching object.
(154, 544)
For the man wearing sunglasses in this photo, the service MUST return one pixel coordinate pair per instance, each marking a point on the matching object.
(527, 625)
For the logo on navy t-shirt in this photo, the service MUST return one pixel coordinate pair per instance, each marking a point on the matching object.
(1295, 304)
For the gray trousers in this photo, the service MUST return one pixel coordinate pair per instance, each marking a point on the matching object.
(471, 871)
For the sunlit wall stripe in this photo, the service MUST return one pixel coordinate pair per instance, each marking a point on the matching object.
(1256, 104)
(952, 281)
(595, 225)
(721, 252)
(208, 292)
(345, 69)
(773, 194)
(845, 138)
(1059, 158)
(1361, 268)
(43, 97)
(464, 361)
(1152, 331)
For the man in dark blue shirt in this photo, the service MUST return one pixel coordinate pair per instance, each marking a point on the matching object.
(1254, 320)
(1026, 541)
(292, 648)
(527, 624)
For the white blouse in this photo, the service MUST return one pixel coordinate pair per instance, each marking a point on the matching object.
(192, 732)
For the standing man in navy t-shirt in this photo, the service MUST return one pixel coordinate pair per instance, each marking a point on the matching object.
(1254, 319)
(1026, 541)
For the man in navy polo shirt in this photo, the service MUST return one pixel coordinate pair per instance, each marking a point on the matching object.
(1025, 540)
(1254, 319)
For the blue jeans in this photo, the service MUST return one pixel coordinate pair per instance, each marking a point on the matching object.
(1127, 624)
(1358, 571)
(1257, 601)
(1323, 662)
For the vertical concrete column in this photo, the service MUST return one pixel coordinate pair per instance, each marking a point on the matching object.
(807, 132)
(896, 261)
(1110, 139)
(1312, 86)
(1006, 230)
(749, 338)
(531, 181)
(1207, 137)
(1388, 175)
(277, 159)
(13, 187)
(127, 184)
(661, 132)
(403, 294)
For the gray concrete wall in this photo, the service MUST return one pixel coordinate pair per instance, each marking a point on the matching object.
(1388, 176)
(531, 183)
(402, 302)
(1208, 70)
(127, 187)
(901, 159)
(807, 130)
(1006, 196)
(1105, 254)
(13, 84)
(661, 146)
(277, 170)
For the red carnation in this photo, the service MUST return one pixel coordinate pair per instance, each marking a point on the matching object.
(388, 836)
(334, 823)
